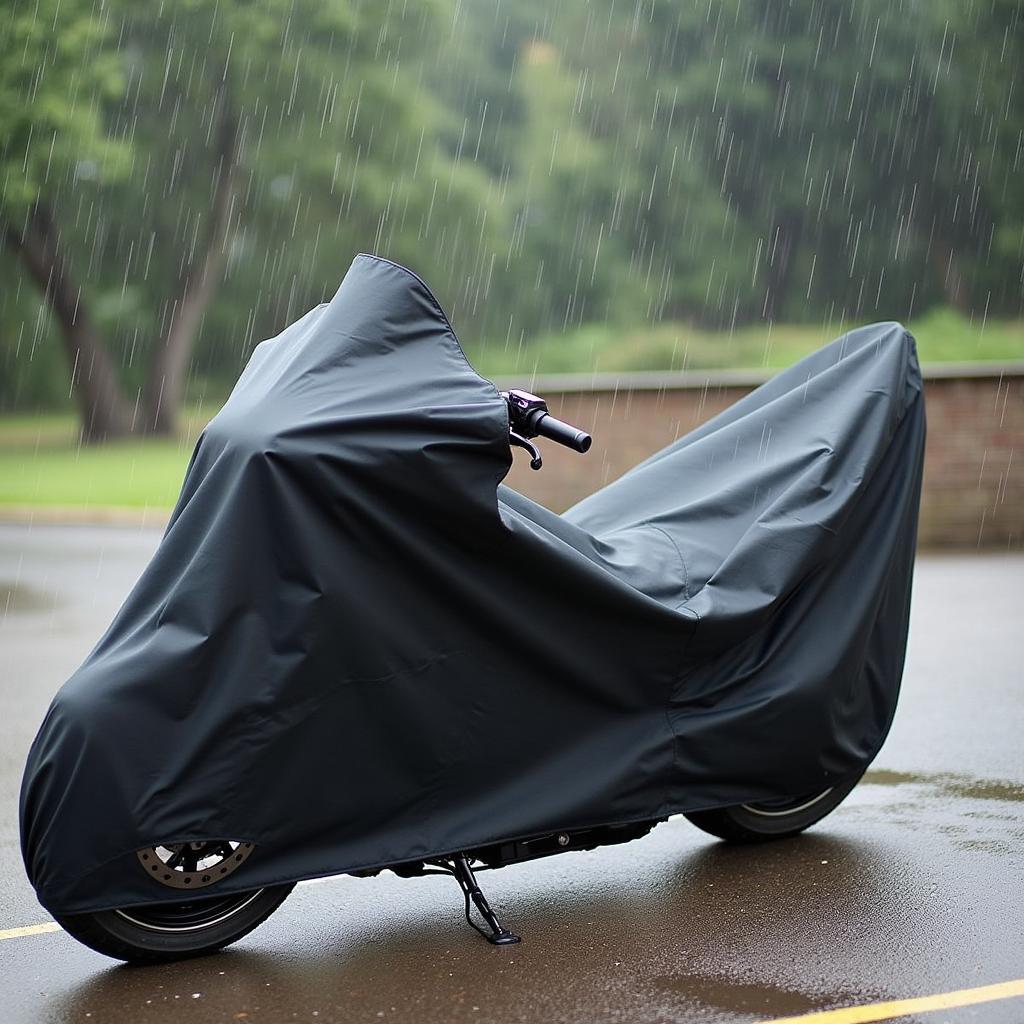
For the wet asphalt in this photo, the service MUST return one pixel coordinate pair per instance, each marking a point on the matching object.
(914, 886)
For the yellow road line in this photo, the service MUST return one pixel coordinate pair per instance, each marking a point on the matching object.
(872, 1012)
(31, 929)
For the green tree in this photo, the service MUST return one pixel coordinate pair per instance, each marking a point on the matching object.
(864, 146)
(55, 72)
(257, 143)
(790, 158)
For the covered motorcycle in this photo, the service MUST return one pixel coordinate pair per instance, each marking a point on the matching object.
(355, 648)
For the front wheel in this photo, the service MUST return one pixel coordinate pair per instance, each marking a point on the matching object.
(771, 819)
(173, 931)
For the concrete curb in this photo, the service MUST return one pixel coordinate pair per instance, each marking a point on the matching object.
(84, 515)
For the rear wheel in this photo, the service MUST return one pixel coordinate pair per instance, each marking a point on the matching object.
(772, 819)
(194, 926)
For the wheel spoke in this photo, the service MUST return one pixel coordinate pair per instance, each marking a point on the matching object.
(176, 859)
(194, 865)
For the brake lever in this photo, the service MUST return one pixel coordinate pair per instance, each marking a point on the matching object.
(518, 441)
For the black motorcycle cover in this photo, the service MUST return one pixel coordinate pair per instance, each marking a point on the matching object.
(354, 648)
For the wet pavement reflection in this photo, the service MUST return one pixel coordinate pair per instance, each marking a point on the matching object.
(913, 886)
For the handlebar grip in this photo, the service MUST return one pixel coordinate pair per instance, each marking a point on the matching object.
(564, 433)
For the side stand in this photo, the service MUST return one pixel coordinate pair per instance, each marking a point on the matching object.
(498, 935)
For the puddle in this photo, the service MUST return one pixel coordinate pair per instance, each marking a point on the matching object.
(962, 787)
(983, 789)
(987, 846)
(16, 597)
(746, 999)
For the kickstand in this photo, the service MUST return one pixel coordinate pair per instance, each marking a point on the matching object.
(498, 935)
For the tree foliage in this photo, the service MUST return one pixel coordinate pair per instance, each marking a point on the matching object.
(180, 180)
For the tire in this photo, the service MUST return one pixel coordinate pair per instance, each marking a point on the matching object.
(774, 819)
(165, 932)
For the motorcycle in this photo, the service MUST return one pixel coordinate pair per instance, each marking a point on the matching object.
(357, 650)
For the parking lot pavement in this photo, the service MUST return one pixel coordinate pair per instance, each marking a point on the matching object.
(915, 886)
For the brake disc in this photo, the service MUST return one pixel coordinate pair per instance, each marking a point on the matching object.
(194, 865)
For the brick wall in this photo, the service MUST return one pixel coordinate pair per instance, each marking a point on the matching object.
(974, 459)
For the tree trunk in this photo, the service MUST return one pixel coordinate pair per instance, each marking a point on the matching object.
(165, 388)
(103, 410)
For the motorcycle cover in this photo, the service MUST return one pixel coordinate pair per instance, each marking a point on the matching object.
(354, 647)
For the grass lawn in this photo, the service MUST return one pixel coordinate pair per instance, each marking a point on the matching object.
(137, 474)
(41, 463)
(942, 336)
